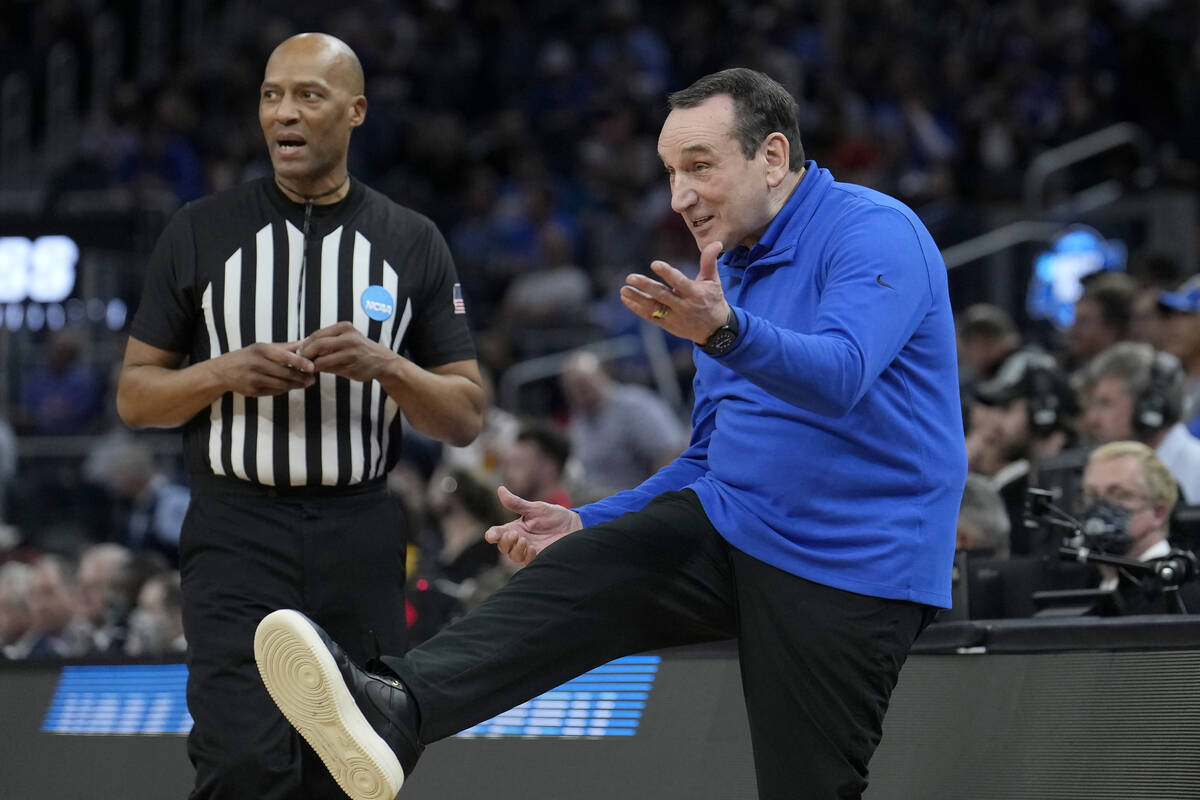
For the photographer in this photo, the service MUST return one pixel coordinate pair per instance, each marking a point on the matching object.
(1128, 493)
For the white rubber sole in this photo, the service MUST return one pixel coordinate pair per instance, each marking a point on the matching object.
(307, 686)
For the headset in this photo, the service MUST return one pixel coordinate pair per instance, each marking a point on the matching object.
(1153, 409)
(1034, 375)
(1049, 397)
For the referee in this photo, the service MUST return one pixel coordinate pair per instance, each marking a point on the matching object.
(312, 314)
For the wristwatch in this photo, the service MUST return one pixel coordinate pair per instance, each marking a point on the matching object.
(723, 338)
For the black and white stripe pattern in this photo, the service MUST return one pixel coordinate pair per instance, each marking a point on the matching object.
(334, 433)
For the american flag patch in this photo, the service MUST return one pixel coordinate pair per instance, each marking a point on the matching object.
(460, 307)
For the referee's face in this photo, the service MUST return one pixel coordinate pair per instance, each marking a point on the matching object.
(307, 107)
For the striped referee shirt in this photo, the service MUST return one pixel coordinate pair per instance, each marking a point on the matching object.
(232, 269)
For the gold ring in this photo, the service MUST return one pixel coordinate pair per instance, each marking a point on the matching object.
(661, 312)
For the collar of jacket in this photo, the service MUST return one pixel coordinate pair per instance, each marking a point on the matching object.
(795, 214)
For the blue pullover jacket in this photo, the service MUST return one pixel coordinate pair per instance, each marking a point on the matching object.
(829, 442)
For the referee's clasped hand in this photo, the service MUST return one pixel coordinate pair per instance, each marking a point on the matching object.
(689, 309)
(539, 525)
(342, 349)
(264, 369)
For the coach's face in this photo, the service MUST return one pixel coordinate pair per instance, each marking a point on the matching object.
(721, 195)
(310, 100)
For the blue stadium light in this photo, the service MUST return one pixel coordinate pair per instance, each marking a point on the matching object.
(1057, 273)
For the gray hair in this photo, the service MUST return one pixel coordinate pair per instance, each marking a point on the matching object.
(983, 508)
(1132, 363)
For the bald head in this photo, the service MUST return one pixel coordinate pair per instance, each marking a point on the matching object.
(340, 65)
(310, 101)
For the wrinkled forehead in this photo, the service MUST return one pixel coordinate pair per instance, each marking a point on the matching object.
(705, 128)
(304, 62)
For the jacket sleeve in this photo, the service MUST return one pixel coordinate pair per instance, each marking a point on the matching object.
(691, 464)
(875, 292)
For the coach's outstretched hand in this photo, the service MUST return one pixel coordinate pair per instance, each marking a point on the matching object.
(540, 525)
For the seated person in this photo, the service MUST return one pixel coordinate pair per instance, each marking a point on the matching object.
(453, 550)
(1133, 392)
(1129, 491)
(983, 524)
(534, 466)
(1021, 416)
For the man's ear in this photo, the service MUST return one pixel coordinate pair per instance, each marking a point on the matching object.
(358, 111)
(777, 151)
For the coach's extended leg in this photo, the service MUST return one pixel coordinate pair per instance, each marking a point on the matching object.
(655, 578)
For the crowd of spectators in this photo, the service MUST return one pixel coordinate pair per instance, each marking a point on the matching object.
(1035, 418)
(526, 131)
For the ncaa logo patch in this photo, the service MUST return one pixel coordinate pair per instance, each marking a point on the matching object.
(377, 302)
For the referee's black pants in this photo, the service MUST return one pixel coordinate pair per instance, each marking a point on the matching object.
(818, 664)
(340, 559)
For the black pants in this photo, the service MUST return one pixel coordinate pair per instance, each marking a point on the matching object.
(339, 559)
(818, 664)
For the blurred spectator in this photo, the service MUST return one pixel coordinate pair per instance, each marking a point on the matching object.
(1133, 392)
(553, 292)
(162, 156)
(983, 523)
(453, 550)
(151, 506)
(986, 336)
(1102, 315)
(1022, 415)
(156, 624)
(484, 456)
(1147, 321)
(474, 240)
(620, 433)
(535, 464)
(16, 620)
(1155, 272)
(1181, 337)
(59, 630)
(64, 395)
(106, 576)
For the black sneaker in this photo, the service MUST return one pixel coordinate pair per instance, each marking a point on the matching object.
(363, 725)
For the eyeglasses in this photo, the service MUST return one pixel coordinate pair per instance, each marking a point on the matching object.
(1131, 501)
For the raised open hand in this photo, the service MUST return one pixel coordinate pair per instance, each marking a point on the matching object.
(539, 525)
(690, 309)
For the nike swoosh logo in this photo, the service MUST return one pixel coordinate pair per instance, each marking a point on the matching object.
(879, 280)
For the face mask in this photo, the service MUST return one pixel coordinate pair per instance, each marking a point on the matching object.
(1104, 527)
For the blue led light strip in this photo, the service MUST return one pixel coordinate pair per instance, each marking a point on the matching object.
(607, 701)
(152, 699)
(124, 699)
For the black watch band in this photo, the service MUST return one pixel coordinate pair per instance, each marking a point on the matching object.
(723, 338)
